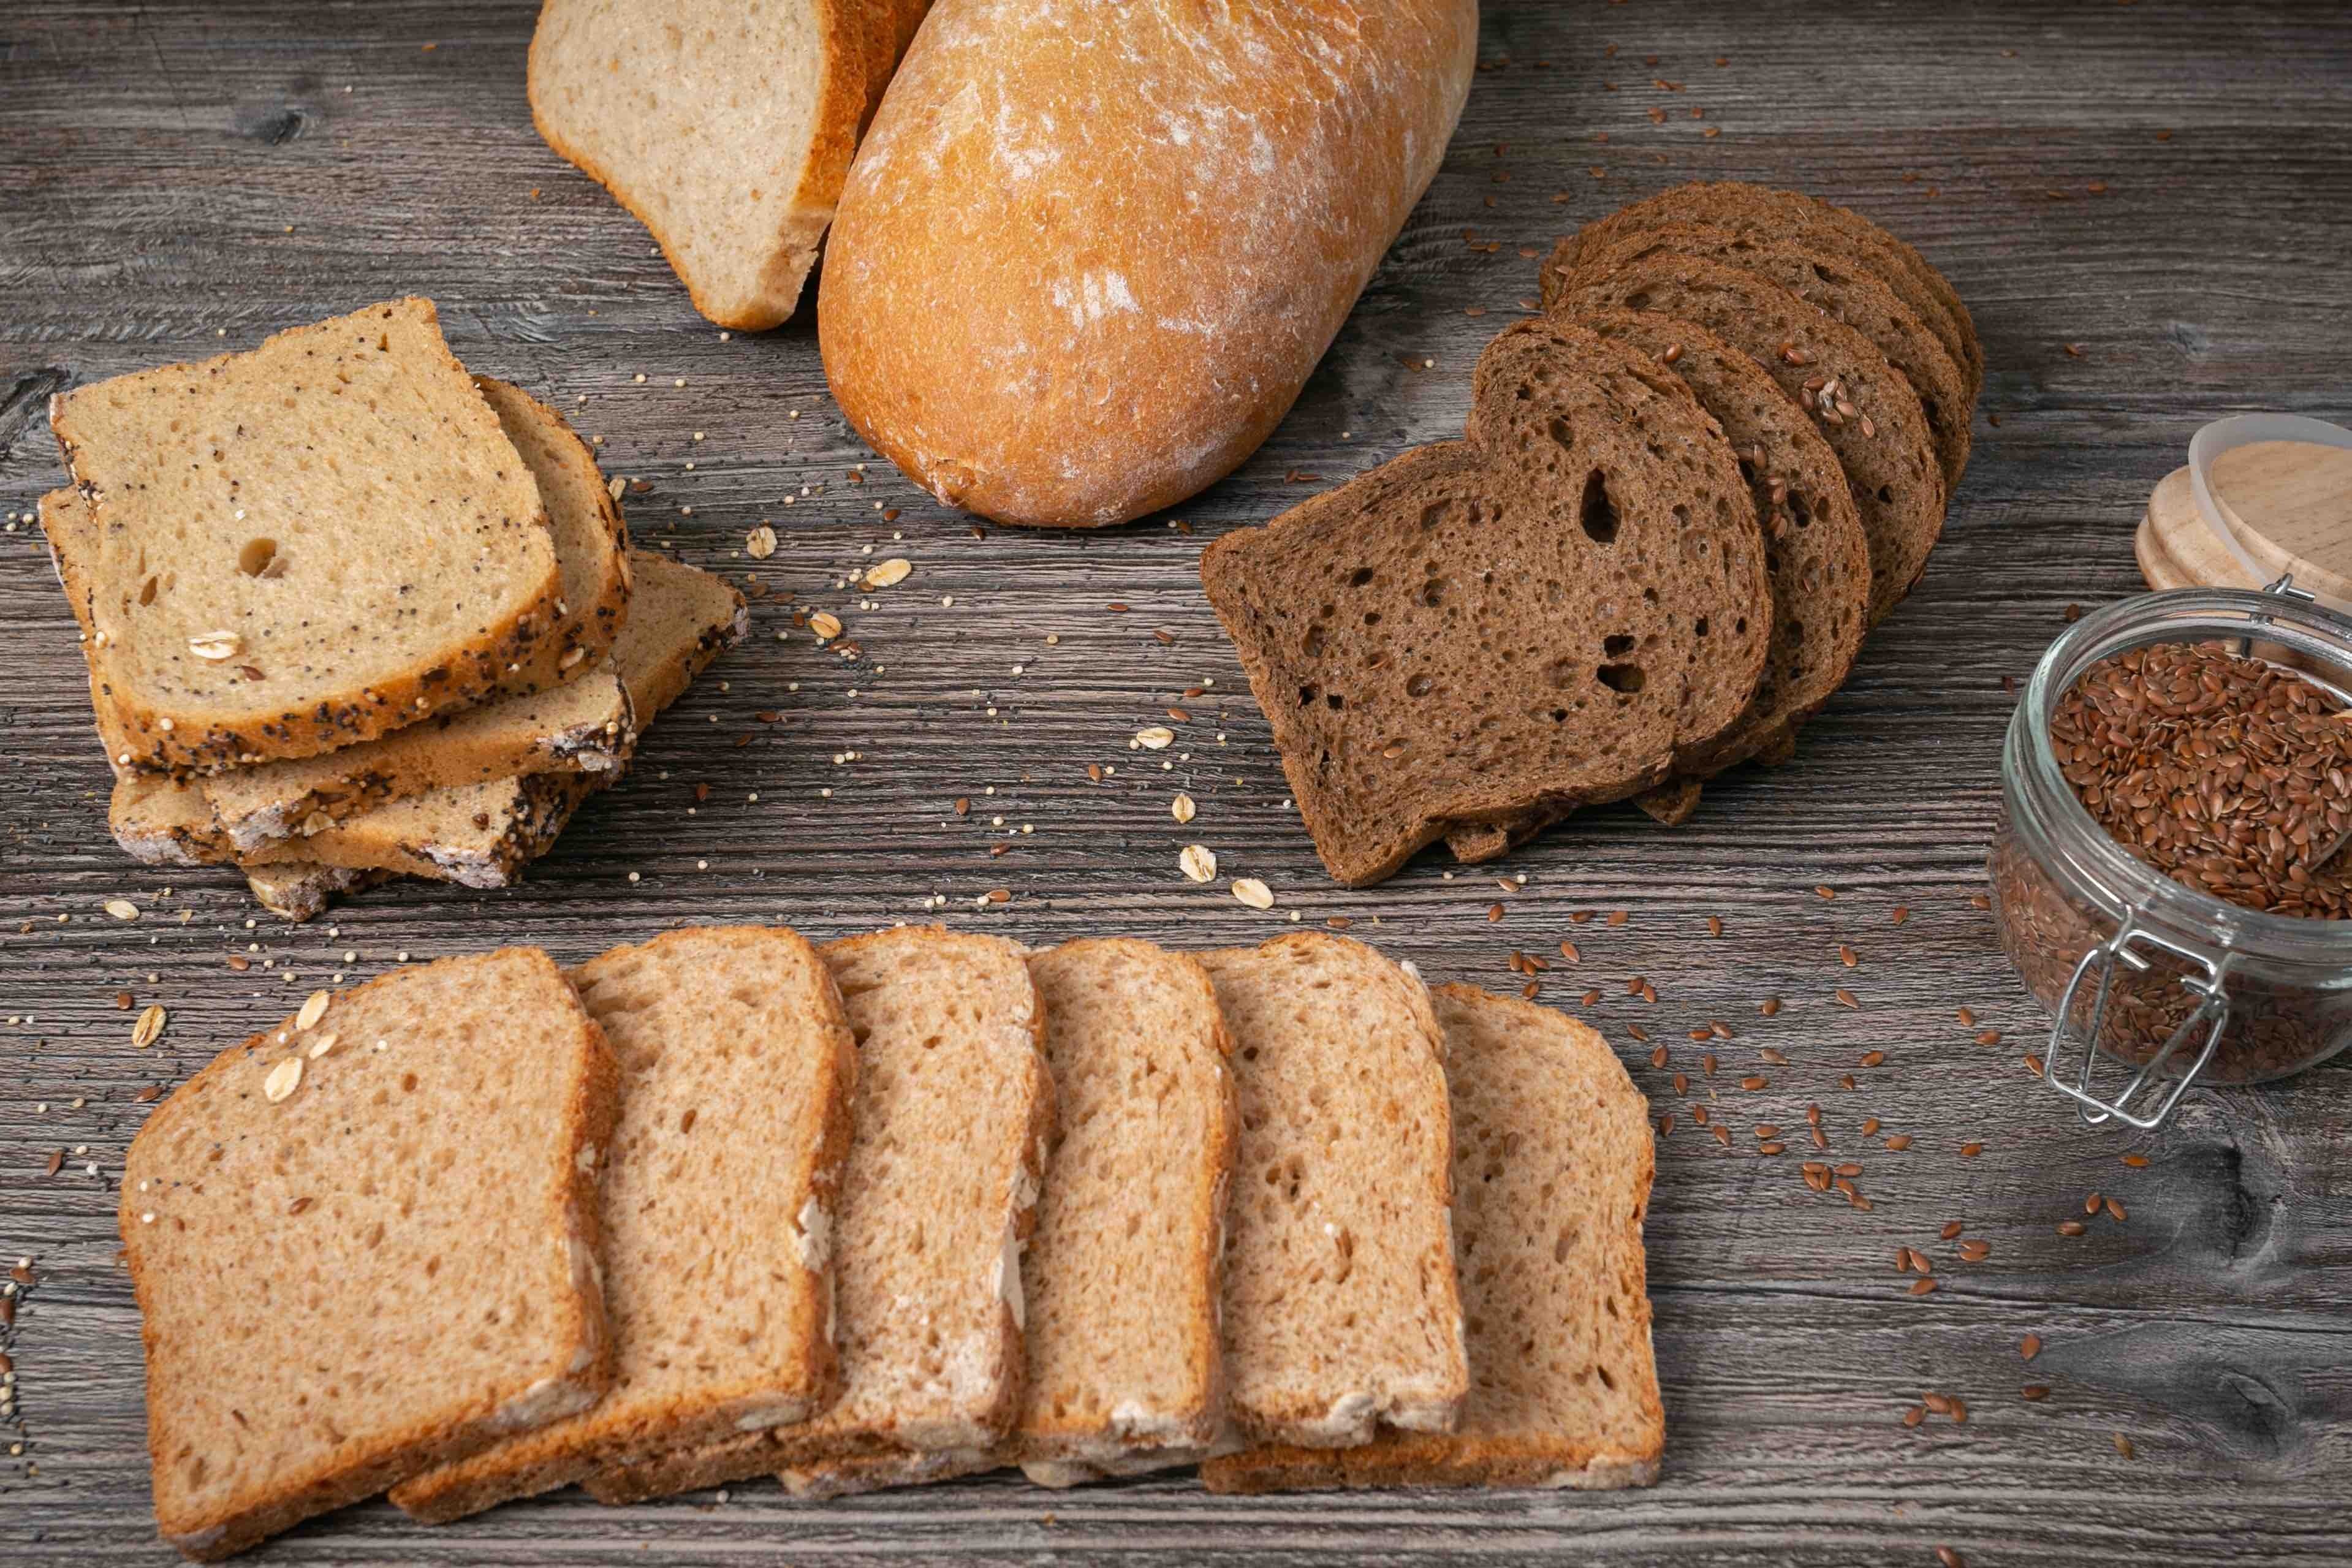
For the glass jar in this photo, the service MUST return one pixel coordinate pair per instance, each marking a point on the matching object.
(2165, 982)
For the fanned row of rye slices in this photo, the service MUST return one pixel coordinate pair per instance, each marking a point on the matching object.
(351, 612)
(1685, 494)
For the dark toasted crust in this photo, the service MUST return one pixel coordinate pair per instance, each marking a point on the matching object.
(1793, 214)
(1397, 720)
(1845, 292)
(266, 1506)
(1884, 443)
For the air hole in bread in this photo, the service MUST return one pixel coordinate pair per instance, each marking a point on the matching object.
(1886, 494)
(258, 558)
(1313, 646)
(1596, 513)
(1698, 627)
(1623, 679)
(1419, 686)
(1360, 576)
(1618, 646)
(1335, 701)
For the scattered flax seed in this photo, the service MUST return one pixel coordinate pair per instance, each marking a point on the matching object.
(150, 1026)
(1846, 1081)
(1947, 1558)
(1769, 1007)
(1699, 1114)
(1845, 998)
(1772, 1058)
(1707, 1063)
(2116, 1211)
(1975, 1252)
(1618, 917)
(1568, 951)
(1580, 916)
(1870, 1127)
(1754, 1081)
(2071, 1228)
(1921, 1287)
(2030, 1346)
(1849, 1169)
(1821, 1139)
(57, 1162)
(1714, 921)
(1649, 992)
(2033, 1065)
(1494, 913)
(1968, 1019)
(2035, 1392)
(1592, 998)
(1702, 1034)
(1902, 913)
(1848, 956)
(1718, 1028)
(2123, 1447)
(1913, 1417)
(1825, 890)
(1951, 1228)
(1253, 892)
(1723, 1136)
(999, 895)
(1638, 1032)
(1970, 1150)
(1989, 1036)
(2136, 1162)
(2091, 1204)
(1658, 1057)
(1873, 1058)
(1772, 1148)
(1814, 1114)
(1899, 1142)
(1681, 1084)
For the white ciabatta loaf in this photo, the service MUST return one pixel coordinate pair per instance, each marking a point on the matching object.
(1087, 256)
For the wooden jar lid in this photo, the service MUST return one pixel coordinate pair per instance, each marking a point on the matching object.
(2287, 505)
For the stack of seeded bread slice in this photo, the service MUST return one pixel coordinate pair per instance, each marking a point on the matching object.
(1684, 498)
(352, 612)
(906, 1207)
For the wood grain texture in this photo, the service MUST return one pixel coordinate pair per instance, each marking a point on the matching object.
(2167, 187)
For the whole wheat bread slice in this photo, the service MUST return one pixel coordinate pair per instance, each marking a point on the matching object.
(1791, 214)
(1123, 1276)
(305, 545)
(1884, 442)
(583, 726)
(954, 1115)
(1340, 1309)
(1822, 278)
(369, 1246)
(476, 835)
(727, 129)
(1551, 1170)
(1813, 545)
(591, 542)
(737, 1069)
(1555, 612)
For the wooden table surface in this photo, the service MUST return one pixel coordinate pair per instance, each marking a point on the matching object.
(2148, 211)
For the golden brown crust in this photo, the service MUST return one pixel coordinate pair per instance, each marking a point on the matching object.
(840, 114)
(267, 1505)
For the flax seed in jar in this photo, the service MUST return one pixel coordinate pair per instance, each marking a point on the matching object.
(2170, 869)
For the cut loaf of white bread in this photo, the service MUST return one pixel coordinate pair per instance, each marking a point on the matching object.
(726, 127)
(953, 1121)
(1121, 1275)
(1340, 1307)
(737, 1068)
(1552, 1168)
(306, 545)
(364, 1242)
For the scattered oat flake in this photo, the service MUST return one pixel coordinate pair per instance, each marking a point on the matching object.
(1199, 863)
(1253, 892)
(314, 1007)
(150, 1026)
(1182, 808)
(825, 625)
(1158, 737)
(283, 1080)
(122, 909)
(760, 543)
(889, 573)
(216, 645)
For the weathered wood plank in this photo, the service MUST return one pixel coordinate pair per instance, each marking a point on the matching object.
(180, 177)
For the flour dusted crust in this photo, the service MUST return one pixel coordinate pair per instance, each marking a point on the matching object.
(1071, 284)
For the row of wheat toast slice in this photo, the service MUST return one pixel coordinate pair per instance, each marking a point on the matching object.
(907, 1205)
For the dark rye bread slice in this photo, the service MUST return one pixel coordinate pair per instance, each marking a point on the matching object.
(1863, 406)
(1552, 611)
(305, 545)
(365, 1242)
(1552, 1162)
(1793, 216)
(1852, 295)
(1812, 539)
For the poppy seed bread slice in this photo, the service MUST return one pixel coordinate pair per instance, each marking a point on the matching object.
(952, 1123)
(592, 543)
(727, 127)
(304, 544)
(476, 835)
(1791, 214)
(1556, 610)
(1552, 1160)
(1122, 1277)
(1340, 1310)
(1846, 292)
(441, 1131)
(1864, 407)
(737, 1068)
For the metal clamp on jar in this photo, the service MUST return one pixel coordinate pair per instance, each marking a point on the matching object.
(2166, 983)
